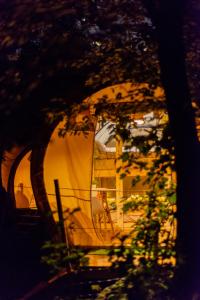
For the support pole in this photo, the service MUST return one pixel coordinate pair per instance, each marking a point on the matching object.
(119, 183)
(60, 213)
(64, 237)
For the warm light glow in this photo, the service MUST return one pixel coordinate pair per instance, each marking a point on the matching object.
(22, 184)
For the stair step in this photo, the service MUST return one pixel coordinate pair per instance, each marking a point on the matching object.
(29, 216)
(28, 220)
(27, 224)
(26, 211)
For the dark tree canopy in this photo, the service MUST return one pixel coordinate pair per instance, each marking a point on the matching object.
(53, 54)
(56, 54)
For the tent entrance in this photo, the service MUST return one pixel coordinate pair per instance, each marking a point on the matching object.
(108, 188)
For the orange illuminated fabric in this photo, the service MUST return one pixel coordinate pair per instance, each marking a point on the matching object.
(22, 184)
(69, 160)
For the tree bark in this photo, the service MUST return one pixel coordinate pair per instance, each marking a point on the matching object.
(37, 160)
(168, 17)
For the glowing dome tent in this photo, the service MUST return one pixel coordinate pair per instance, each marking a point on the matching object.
(85, 166)
(86, 169)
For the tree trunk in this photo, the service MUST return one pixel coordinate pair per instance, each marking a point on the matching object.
(169, 23)
(37, 160)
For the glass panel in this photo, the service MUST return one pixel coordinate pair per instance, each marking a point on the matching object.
(107, 183)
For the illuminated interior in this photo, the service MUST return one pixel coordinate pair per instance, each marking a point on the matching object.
(108, 188)
(9, 158)
(86, 169)
(22, 184)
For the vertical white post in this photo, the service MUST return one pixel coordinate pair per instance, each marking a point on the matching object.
(119, 183)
